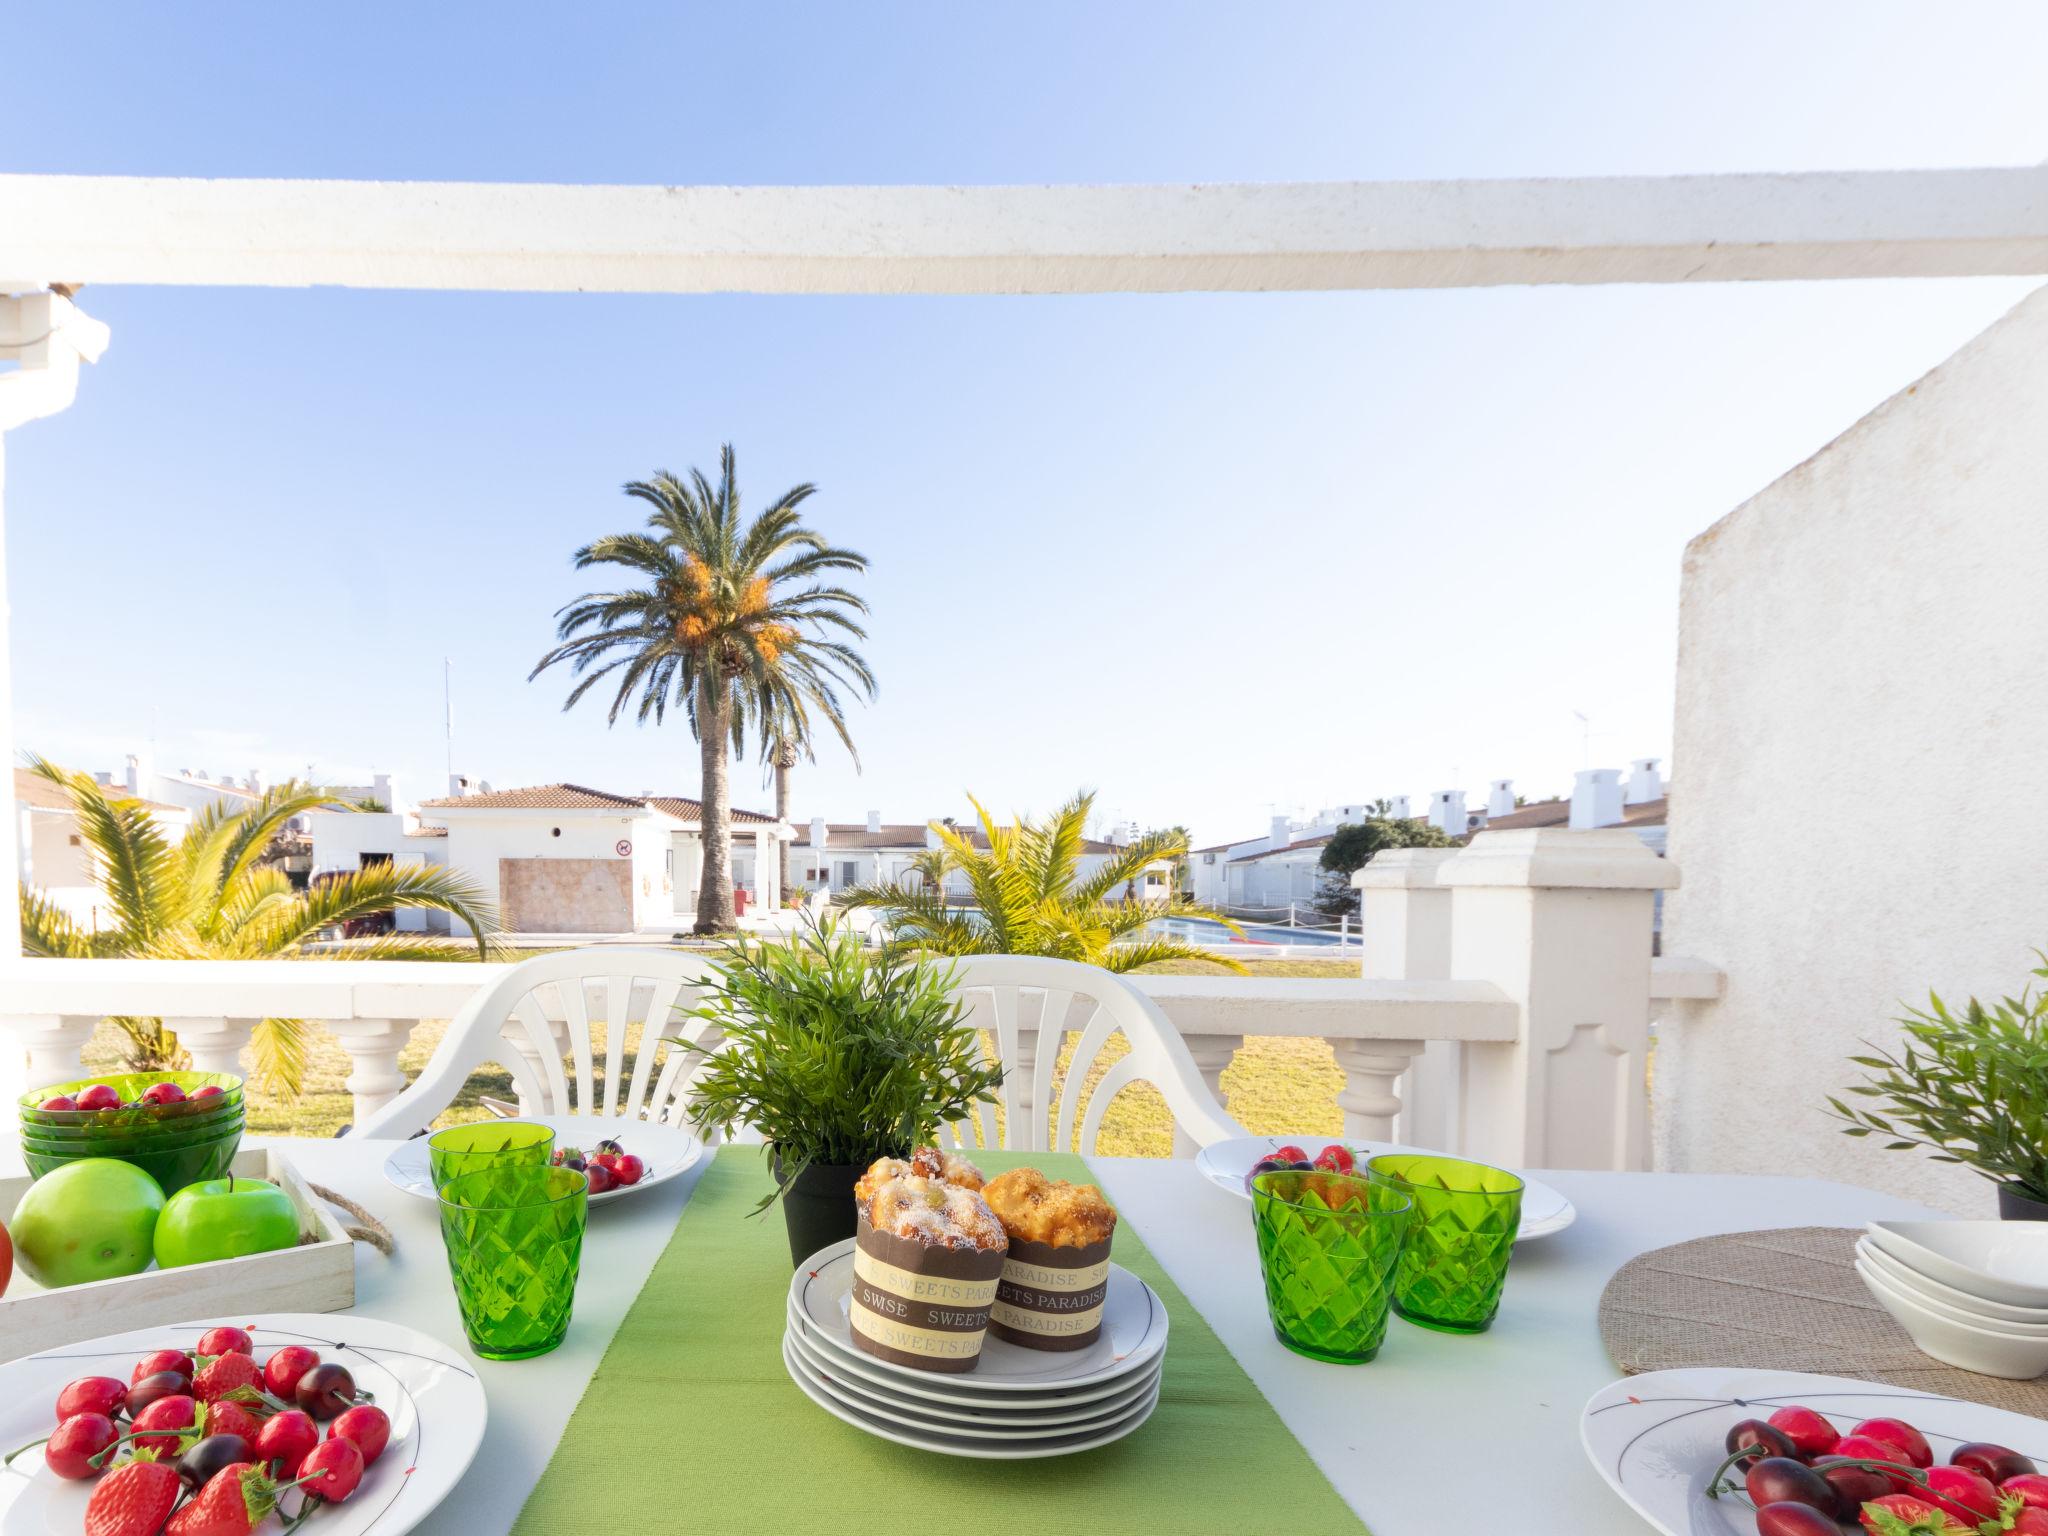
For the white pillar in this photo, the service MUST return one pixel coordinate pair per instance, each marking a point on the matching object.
(1212, 1054)
(215, 1045)
(50, 1047)
(1560, 921)
(373, 1046)
(1404, 919)
(13, 834)
(1371, 1098)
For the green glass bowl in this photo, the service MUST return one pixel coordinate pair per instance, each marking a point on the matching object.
(129, 1085)
(118, 1146)
(140, 1131)
(172, 1170)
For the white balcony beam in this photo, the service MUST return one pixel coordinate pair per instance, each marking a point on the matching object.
(1025, 239)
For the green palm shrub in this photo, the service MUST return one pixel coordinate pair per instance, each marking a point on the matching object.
(211, 896)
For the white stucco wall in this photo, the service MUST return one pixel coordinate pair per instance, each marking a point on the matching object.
(478, 840)
(1862, 716)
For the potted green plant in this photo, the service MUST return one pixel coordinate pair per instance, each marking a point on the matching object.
(1972, 1088)
(838, 1055)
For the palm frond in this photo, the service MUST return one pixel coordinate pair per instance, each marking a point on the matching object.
(279, 1052)
(1143, 952)
(48, 931)
(137, 868)
(375, 888)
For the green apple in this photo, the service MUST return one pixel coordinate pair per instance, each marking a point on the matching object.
(89, 1220)
(224, 1219)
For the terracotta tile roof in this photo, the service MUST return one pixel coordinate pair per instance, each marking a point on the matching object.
(428, 832)
(577, 797)
(39, 794)
(1558, 813)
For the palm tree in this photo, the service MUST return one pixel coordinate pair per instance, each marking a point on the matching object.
(785, 734)
(729, 622)
(1032, 899)
(932, 865)
(211, 896)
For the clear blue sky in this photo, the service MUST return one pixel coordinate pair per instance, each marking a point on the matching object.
(1219, 556)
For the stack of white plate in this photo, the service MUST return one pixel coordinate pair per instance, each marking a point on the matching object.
(1973, 1294)
(1015, 1404)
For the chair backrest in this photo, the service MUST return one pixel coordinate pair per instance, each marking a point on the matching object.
(1028, 1006)
(540, 1012)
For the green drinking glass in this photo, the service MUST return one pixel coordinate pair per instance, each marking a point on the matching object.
(1455, 1263)
(464, 1149)
(514, 1237)
(1328, 1244)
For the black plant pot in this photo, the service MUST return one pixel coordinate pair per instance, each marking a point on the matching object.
(2015, 1204)
(818, 1207)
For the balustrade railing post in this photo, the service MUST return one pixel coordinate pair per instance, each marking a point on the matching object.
(1404, 929)
(1370, 1097)
(47, 1048)
(1561, 922)
(373, 1047)
(215, 1045)
(1212, 1054)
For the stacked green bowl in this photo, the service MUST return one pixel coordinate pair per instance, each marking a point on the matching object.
(175, 1144)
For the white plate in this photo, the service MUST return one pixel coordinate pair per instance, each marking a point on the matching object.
(982, 1450)
(431, 1393)
(1657, 1437)
(932, 1419)
(1133, 1333)
(1018, 1412)
(1225, 1163)
(667, 1150)
(2002, 1261)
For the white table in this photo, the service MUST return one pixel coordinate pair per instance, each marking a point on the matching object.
(1500, 1409)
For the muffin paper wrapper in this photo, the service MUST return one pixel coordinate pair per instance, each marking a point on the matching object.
(921, 1307)
(1051, 1298)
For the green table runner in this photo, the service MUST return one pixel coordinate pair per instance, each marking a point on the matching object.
(692, 1424)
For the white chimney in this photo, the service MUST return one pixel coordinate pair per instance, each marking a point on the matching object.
(817, 831)
(1596, 799)
(255, 781)
(103, 778)
(1397, 808)
(134, 774)
(458, 784)
(931, 835)
(874, 821)
(380, 788)
(1645, 783)
(1500, 798)
(1280, 834)
(1447, 812)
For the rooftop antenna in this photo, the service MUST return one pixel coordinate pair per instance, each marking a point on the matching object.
(448, 713)
(1585, 739)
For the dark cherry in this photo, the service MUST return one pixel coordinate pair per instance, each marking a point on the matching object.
(1761, 1438)
(206, 1457)
(1782, 1480)
(1990, 1461)
(1854, 1486)
(151, 1388)
(325, 1391)
(1786, 1519)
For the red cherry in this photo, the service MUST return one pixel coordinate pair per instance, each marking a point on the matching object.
(225, 1341)
(163, 1360)
(1900, 1435)
(2030, 1488)
(92, 1394)
(601, 1178)
(366, 1427)
(1962, 1493)
(210, 1091)
(1810, 1434)
(287, 1438)
(281, 1372)
(331, 1471)
(99, 1096)
(162, 1093)
(1336, 1158)
(627, 1168)
(1863, 1448)
(77, 1440)
(176, 1414)
(1291, 1154)
(61, 1101)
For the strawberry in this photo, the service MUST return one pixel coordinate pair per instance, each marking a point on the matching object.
(1336, 1158)
(225, 1340)
(233, 1503)
(2029, 1520)
(1291, 1154)
(2030, 1488)
(228, 1417)
(220, 1375)
(132, 1500)
(1900, 1514)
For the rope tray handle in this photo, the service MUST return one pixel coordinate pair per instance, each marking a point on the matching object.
(370, 1230)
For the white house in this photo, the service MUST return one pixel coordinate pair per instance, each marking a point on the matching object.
(54, 858)
(555, 858)
(830, 856)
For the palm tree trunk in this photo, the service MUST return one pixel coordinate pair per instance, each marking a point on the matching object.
(784, 761)
(714, 732)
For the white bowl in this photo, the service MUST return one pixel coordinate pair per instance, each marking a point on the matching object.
(2003, 1261)
(1988, 1314)
(1950, 1310)
(1969, 1348)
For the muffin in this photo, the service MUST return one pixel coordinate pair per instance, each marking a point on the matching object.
(924, 1163)
(1056, 1272)
(927, 1258)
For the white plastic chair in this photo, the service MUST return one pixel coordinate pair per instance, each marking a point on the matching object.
(1011, 995)
(509, 1022)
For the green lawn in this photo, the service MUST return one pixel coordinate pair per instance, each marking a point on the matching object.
(1275, 1086)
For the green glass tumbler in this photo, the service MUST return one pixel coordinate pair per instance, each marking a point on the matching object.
(464, 1149)
(1328, 1244)
(1455, 1263)
(514, 1237)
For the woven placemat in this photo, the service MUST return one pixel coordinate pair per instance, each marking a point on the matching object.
(1785, 1300)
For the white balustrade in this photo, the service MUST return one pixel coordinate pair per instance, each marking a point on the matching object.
(1503, 1011)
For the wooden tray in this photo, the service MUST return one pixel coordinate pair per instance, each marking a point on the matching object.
(317, 1276)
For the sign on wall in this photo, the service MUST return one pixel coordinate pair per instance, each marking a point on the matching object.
(623, 848)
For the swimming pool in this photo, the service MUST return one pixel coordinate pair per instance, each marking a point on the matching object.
(1202, 930)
